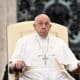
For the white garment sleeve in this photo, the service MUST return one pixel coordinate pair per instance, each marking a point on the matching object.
(18, 53)
(69, 58)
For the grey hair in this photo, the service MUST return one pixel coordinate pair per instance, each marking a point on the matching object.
(36, 18)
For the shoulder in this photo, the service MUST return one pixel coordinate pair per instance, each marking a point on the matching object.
(57, 40)
(25, 39)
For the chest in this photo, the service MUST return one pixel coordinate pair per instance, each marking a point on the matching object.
(42, 54)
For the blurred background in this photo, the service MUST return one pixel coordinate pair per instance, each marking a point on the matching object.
(65, 12)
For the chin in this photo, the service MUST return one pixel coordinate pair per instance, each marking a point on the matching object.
(43, 35)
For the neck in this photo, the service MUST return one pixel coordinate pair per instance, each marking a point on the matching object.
(43, 36)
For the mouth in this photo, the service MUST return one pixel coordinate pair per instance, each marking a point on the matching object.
(43, 29)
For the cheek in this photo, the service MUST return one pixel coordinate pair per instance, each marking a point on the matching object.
(38, 29)
(49, 28)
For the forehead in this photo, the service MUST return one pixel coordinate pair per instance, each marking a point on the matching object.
(42, 18)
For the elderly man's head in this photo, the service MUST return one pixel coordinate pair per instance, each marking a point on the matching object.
(42, 25)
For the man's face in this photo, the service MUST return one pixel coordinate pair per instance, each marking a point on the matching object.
(42, 26)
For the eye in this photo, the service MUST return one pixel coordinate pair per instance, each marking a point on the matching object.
(40, 23)
(47, 23)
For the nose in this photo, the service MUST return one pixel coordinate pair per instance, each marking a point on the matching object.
(43, 26)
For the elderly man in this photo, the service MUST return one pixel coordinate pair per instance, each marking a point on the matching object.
(40, 52)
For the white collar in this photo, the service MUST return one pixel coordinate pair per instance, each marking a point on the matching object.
(40, 38)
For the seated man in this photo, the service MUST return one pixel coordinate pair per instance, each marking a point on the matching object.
(40, 52)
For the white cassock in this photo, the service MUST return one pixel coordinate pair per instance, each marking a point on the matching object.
(40, 55)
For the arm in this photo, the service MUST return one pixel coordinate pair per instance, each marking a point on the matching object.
(17, 61)
(72, 64)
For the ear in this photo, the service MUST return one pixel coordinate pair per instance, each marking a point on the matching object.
(50, 25)
(34, 25)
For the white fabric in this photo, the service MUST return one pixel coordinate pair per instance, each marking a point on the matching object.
(33, 49)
